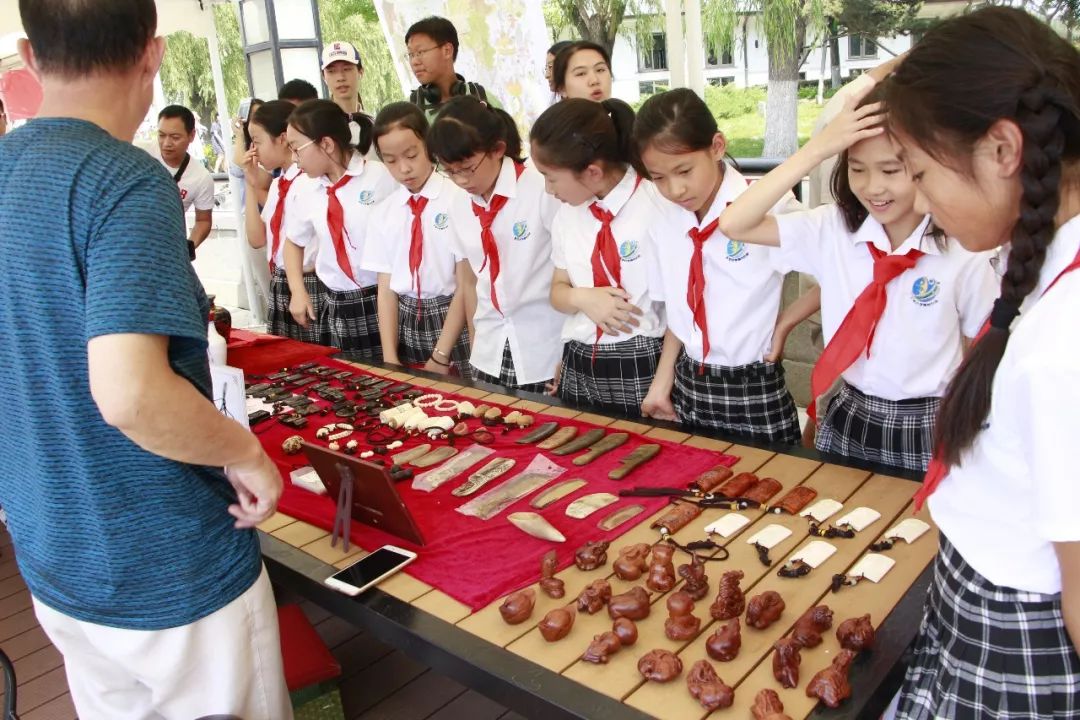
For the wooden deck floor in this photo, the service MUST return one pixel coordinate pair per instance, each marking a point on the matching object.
(378, 682)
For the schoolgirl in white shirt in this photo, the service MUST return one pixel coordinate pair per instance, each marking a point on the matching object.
(899, 302)
(987, 108)
(266, 227)
(721, 298)
(601, 252)
(502, 227)
(330, 148)
(421, 317)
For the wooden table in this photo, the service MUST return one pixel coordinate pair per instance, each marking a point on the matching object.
(514, 665)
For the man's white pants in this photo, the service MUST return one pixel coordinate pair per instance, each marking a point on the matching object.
(228, 663)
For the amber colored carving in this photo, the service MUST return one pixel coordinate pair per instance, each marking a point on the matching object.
(632, 562)
(856, 634)
(557, 624)
(659, 666)
(595, 595)
(767, 706)
(808, 629)
(831, 685)
(626, 630)
(724, 644)
(678, 516)
(730, 600)
(785, 661)
(764, 489)
(711, 479)
(661, 569)
(518, 607)
(633, 604)
(707, 688)
(764, 609)
(697, 583)
(681, 623)
(602, 647)
(552, 586)
(738, 485)
(591, 555)
(796, 499)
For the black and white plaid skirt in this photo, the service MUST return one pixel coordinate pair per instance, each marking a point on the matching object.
(985, 651)
(899, 433)
(418, 333)
(507, 376)
(353, 318)
(280, 321)
(751, 400)
(618, 379)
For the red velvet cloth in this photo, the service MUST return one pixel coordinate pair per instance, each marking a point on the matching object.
(258, 354)
(477, 561)
(306, 658)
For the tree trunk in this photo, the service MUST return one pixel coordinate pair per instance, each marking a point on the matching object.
(834, 55)
(782, 104)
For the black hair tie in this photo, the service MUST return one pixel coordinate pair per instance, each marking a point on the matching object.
(1004, 312)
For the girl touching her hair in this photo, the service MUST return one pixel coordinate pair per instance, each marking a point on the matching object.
(266, 226)
(721, 298)
(501, 226)
(899, 301)
(329, 146)
(987, 110)
(601, 252)
(421, 316)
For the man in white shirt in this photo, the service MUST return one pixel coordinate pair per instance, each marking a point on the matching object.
(176, 132)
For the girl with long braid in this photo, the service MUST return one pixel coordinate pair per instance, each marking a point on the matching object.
(987, 109)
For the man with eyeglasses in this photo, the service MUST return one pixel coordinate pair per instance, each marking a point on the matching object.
(432, 49)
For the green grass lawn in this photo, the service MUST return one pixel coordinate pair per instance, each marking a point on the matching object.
(746, 133)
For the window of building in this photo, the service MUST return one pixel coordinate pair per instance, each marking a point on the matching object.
(861, 47)
(721, 81)
(654, 58)
(723, 58)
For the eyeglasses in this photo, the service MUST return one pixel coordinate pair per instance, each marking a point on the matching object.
(420, 53)
(463, 173)
(296, 150)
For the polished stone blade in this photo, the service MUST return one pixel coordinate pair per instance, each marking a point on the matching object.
(586, 505)
(556, 493)
(538, 527)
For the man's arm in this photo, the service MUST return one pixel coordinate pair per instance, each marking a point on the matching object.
(204, 221)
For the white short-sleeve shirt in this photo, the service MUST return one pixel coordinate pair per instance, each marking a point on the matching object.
(1015, 492)
(573, 239)
(918, 340)
(522, 232)
(742, 282)
(196, 186)
(387, 249)
(301, 185)
(371, 183)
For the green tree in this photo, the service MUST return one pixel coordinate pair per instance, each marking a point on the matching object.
(356, 21)
(602, 21)
(186, 77)
(869, 19)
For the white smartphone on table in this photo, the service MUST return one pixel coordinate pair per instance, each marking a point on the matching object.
(370, 570)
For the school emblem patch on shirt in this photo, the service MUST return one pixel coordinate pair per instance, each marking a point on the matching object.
(521, 230)
(628, 251)
(442, 220)
(925, 291)
(367, 197)
(736, 251)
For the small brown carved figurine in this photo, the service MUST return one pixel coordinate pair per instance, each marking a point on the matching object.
(681, 623)
(601, 648)
(856, 634)
(552, 586)
(518, 607)
(767, 706)
(659, 666)
(808, 629)
(764, 609)
(724, 644)
(591, 555)
(661, 569)
(633, 604)
(626, 631)
(595, 596)
(632, 562)
(830, 685)
(785, 662)
(557, 624)
(707, 688)
(711, 478)
(730, 601)
(697, 583)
